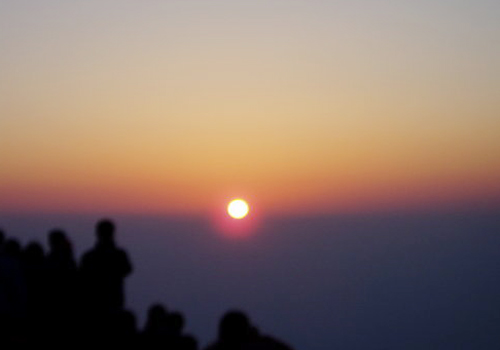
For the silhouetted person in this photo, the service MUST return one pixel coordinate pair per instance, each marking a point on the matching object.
(12, 248)
(61, 270)
(103, 270)
(163, 330)
(61, 287)
(234, 331)
(125, 331)
(155, 333)
(2, 240)
(237, 333)
(33, 262)
(60, 258)
(175, 326)
(12, 295)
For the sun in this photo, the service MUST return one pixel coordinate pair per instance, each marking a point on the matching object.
(238, 209)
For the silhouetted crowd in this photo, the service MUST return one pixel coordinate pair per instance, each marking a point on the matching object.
(50, 300)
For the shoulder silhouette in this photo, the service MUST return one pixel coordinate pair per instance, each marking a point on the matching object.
(237, 333)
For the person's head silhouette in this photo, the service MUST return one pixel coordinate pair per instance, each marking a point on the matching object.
(57, 239)
(176, 323)
(157, 313)
(59, 243)
(34, 252)
(234, 327)
(13, 248)
(105, 231)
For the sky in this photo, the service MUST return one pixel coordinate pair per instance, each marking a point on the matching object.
(299, 106)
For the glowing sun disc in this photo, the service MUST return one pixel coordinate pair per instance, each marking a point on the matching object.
(238, 209)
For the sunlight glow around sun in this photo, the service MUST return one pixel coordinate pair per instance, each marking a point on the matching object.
(238, 209)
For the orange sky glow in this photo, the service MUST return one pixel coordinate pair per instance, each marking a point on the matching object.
(300, 108)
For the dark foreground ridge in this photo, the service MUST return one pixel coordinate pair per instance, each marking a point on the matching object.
(50, 300)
